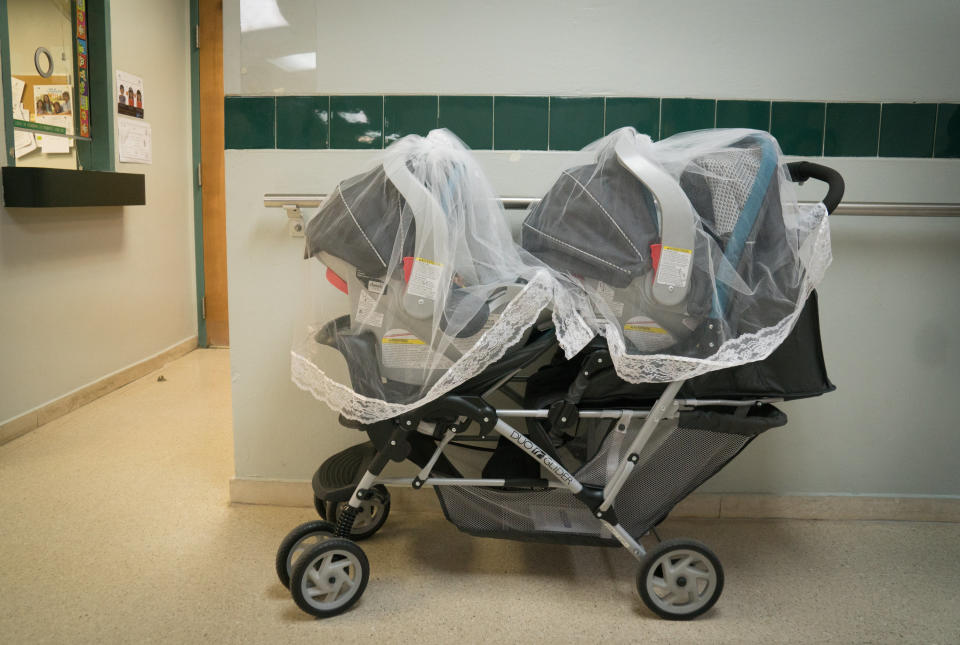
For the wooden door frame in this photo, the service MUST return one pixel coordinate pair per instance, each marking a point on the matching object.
(210, 232)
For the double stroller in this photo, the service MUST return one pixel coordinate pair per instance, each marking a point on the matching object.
(574, 387)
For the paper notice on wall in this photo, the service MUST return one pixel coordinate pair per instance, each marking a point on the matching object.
(51, 143)
(135, 141)
(24, 142)
(17, 86)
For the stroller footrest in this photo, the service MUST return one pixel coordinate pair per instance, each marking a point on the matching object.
(338, 476)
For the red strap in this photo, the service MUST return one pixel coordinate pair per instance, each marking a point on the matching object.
(407, 268)
(655, 255)
(337, 281)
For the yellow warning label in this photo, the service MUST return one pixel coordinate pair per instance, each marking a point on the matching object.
(402, 341)
(646, 328)
(677, 249)
(437, 264)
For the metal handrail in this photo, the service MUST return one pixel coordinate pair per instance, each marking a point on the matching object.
(887, 209)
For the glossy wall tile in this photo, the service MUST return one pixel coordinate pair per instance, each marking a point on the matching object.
(804, 128)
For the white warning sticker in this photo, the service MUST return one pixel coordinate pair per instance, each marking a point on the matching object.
(401, 348)
(646, 335)
(376, 286)
(674, 267)
(425, 279)
(366, 310)
(606, 292)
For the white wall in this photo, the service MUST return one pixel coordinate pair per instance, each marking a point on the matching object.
(766, 49)
(886, 303)
(88, 291)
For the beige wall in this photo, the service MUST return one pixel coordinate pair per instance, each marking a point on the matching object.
(85, 292)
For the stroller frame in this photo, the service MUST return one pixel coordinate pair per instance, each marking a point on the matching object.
(599, 501)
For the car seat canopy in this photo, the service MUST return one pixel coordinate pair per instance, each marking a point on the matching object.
(693, 252)
(435, 289)
(360, 222)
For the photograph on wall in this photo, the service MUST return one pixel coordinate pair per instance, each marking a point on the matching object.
(129, 95)
(53, 100)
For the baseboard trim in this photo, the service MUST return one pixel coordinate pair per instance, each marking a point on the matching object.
(697, 506)
(24, 423)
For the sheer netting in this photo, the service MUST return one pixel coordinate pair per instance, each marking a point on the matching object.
(435, 287)
(692, 254)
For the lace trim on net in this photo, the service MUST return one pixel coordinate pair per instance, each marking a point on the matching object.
(517, 317)
(748, 348)
(573, 334)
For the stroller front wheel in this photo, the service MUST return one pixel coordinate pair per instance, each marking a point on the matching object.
(299, 541)
(371, 516)
(329, 578)
(680, 579)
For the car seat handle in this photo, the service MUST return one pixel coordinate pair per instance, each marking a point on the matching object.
(431, 235)
(678, 224)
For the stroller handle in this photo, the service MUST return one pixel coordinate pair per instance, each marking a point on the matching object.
(800, 171)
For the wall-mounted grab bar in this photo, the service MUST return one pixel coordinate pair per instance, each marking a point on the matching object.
(311, 200)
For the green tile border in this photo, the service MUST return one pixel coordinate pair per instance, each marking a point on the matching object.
(303, 122)
(743, 114)
(521, 122)
(403, 115)
(947, 141)
(641, 113)
(250, 123)
(907, 129)
(468, 117)
(684, 115)
(804, 128)
(852, 130)
(575, 121)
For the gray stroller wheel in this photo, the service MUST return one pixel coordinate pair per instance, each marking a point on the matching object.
(329, 578)
(680, 579)
(372, 515)
(299, 541)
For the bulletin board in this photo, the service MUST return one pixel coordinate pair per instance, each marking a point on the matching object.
(28, 100)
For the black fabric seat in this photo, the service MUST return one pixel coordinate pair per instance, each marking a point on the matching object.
(795, 370)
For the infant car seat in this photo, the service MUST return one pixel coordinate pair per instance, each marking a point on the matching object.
(420, 246)
(693, 252)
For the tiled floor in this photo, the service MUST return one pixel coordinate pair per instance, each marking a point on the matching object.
(115, 528)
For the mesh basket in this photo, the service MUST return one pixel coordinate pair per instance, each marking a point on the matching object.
(552, 515)
(680, 455)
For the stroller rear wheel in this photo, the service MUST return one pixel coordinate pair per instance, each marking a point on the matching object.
(299, 541)
(680, 579)
(321, 506)
(329, 578)
(372, 515)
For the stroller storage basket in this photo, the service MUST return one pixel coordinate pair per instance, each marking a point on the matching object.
(549, 515)
(681, 455)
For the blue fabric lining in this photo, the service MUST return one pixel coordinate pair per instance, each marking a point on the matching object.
(747, 219)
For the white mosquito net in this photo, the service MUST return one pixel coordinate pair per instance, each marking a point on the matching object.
(434, 286)
(692, 254)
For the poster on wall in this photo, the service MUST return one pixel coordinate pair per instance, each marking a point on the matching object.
(52, 100)
(129, 95)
